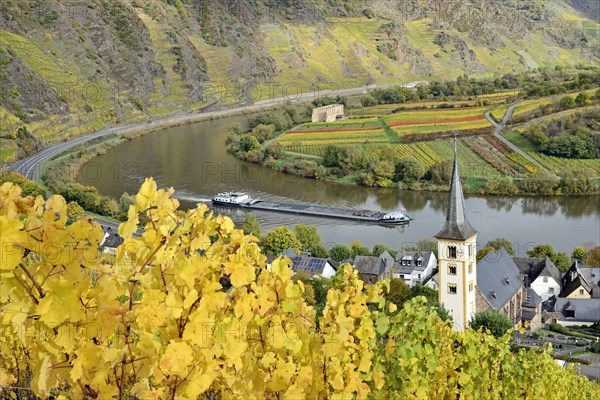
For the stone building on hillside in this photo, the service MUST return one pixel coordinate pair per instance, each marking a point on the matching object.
(330, 113)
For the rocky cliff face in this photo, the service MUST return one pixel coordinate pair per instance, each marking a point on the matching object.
(68, 67)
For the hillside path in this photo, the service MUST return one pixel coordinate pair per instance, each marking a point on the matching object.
(500, 126)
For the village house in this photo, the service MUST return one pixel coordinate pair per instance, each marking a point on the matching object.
(580, 282)
(531, 309)
(499, 286)
(412, 267)
(110, 241)
(329, 113)
(541, 275)
(575, 311)
(304, 262)
(371, 268)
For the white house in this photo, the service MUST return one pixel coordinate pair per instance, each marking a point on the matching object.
(541, 275)
(414, 268)
(305, 263)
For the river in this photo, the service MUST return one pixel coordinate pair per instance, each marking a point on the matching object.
(193, 160)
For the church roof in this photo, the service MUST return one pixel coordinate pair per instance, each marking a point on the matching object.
(456, 227)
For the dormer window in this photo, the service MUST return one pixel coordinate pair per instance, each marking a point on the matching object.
(451, 251)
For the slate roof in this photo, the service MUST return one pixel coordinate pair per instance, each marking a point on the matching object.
(413, 257)
(369, 265)
(457, 226)
(577, 277)
(533, 268)
(532, 300)
(289, 252)
(498, 278)
(587, 310)
(112, 239)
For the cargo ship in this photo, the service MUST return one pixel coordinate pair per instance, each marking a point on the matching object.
(243, 200)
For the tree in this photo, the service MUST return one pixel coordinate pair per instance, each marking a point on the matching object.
(440, 172)
(358, 249)
(493, 321)
(74, 211)
(399, 292)
(540, 183)
(383, 172)
(340, 252)
(498, 243)
(190, 309)
(251, 226)
(331, 155)
(249, 143)
(593, 258)
(308, 235)
(125, 201)
(408, 170)
(567, 102)
(380, 248)
(280, 239)
(542, 251)
(483, 252)
(582, 99)
(579, 254)
(318, 251)
(500, 185)
(561, 261)
(29, 187)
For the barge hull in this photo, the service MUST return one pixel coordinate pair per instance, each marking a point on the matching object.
(317, 211)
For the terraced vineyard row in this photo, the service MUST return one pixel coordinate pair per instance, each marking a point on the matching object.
(558, 165)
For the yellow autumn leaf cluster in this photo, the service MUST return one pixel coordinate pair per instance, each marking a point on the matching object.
(189, 308)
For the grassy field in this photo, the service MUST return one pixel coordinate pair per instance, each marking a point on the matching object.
(554, 164)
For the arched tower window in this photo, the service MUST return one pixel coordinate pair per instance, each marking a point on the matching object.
(451, 251)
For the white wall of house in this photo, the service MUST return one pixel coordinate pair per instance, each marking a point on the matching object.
(546, 287)
(571, 323)
(328, 271)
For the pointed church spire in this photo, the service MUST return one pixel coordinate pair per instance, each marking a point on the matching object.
(456, 227)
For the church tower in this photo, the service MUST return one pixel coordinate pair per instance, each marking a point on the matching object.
(457, 269)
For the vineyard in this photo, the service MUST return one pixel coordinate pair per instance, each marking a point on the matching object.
(413, 130)
(439, 120)
(344, 132)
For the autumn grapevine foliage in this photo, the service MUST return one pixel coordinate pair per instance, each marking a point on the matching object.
(189, 308)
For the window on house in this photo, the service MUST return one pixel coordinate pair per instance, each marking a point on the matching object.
(452, 269)
(471, 268)
(470, 250)
(550, 290)
(471, 286)
(570, 313)
(451, 251)
(580, 291)
(451, 288)
(545, 279)
(419, 276)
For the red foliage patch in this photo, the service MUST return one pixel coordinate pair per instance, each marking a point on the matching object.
(498, 145)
